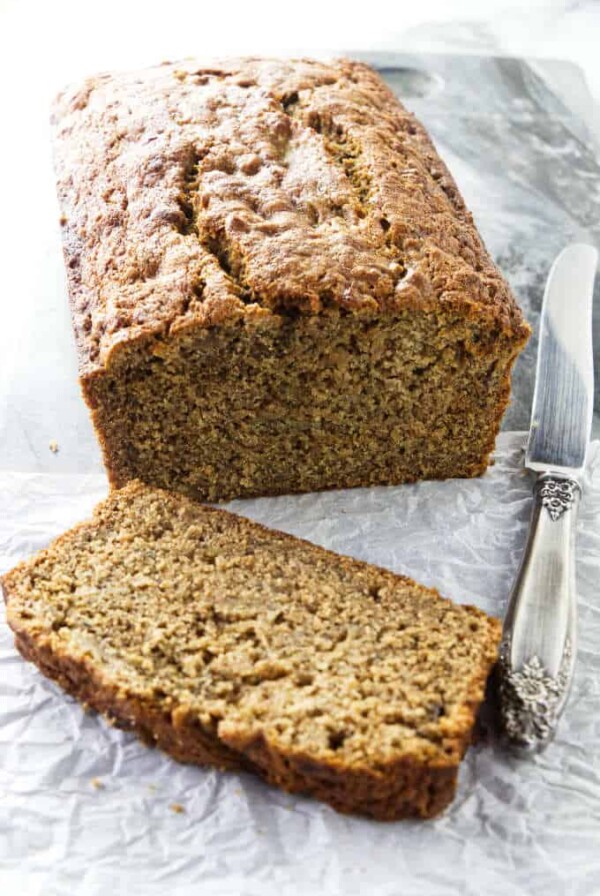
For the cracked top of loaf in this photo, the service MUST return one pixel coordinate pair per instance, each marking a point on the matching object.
(197, 195)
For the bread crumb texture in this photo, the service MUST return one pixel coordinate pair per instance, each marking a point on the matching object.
(229, 644)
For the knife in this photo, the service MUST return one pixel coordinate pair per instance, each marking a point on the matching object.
(537, 651)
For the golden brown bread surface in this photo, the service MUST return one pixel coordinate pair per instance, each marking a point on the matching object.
(290, 221)
(196, 194)
(229, 644)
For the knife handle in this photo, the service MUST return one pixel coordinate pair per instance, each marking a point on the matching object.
(537, 652)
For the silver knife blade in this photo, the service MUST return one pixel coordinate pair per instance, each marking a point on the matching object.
(563, 399)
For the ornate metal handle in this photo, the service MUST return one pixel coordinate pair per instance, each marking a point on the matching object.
(537, 652)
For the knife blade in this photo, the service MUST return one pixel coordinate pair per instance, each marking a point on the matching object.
(538, 647)
(563, 399)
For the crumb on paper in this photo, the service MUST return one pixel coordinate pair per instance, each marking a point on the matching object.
(53, 446)
(97, 784)
(152, 788)
(176, 807)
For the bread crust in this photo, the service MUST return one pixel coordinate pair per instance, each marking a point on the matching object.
(403, 789)
(197, 195)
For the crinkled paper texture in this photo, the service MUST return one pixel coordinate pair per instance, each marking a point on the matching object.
(518, 827)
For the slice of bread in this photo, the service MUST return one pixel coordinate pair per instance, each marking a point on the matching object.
(226, 643)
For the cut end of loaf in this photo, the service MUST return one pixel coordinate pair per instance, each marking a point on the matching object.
(287, 404)
(226, 643)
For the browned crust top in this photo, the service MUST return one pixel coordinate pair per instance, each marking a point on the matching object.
(196, 195)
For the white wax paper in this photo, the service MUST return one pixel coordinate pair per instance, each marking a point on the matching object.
(86, 809)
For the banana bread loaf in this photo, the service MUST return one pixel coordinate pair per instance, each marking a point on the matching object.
(226, 643)
(275, 284)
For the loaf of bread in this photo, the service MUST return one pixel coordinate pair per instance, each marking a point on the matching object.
(226, 643)
(275, 284)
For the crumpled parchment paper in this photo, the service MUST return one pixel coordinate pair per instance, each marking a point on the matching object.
(88, 810)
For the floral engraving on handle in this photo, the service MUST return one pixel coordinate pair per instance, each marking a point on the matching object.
(558, 495)
(530, 697)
